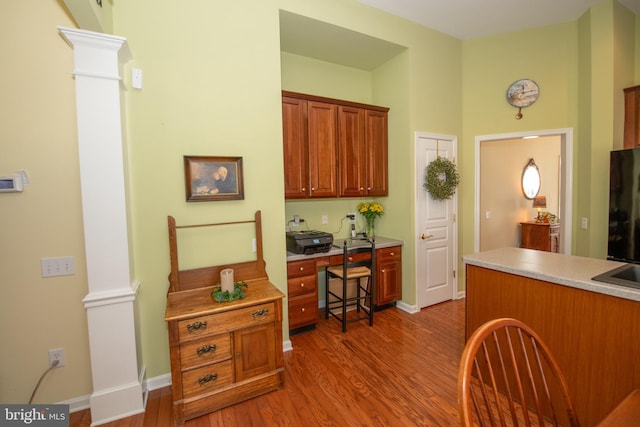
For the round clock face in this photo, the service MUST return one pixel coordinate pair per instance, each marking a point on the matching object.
(523, 93)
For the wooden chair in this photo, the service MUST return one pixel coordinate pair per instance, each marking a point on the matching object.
(358, 264)
(508, 377)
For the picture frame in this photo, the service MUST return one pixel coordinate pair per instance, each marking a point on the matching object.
(213, 178)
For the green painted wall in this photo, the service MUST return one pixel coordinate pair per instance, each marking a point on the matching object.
(213, 74)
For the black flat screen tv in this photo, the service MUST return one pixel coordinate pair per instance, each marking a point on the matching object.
(624, 206)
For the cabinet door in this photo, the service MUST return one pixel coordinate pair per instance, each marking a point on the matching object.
(322, 149)
(631, 117)
(294, 135)
(389, 280)
(377, 153)
(255, 352)
(351, 151)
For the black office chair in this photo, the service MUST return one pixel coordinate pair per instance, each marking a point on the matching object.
(356, 276)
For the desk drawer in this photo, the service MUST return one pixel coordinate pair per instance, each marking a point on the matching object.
(386, 254)
(226, 321)
(205, 350)
(302, 285)
(337, 259)
(301, 268)
(207, 378)
(303, 311)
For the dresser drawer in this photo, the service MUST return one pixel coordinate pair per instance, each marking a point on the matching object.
(207, 378)
(301, 268)
(227, 321)
(303, 311)
(302, 285)
(205, 350)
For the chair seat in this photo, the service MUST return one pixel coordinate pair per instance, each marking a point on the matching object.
(352, 273)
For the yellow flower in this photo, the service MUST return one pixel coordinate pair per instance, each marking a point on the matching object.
(370, 210)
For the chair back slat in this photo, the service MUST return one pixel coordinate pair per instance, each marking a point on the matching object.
(508, 377)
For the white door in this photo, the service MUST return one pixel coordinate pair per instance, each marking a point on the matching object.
(436, 227)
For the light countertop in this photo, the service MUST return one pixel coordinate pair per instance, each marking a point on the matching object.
(551, 267)
(381, 242)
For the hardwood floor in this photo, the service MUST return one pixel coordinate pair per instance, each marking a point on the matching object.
(400, 372)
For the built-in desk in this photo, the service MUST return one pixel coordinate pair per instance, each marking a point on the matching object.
(302, 278)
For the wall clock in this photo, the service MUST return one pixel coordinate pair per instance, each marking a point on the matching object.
(522, 93)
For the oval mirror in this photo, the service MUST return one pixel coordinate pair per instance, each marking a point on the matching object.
(530, 180)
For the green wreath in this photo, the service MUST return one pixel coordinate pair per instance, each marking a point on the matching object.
(441, 179)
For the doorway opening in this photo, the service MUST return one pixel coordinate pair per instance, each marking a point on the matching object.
(502, 146)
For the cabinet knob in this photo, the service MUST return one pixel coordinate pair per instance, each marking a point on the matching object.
(302, 285)
(302, 309)
(350, 259)
(369, 188)
(392, 253)
(361, 188)
(304, 189)
(313, 188)
(301, 268)
(383, 270)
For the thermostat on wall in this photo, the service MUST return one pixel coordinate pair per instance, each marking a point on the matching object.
(10, 184)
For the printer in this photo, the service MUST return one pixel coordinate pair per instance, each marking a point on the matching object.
(308, 241)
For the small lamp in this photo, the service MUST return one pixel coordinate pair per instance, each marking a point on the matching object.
(539, 202)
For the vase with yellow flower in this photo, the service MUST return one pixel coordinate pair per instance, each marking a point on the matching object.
(370, 212)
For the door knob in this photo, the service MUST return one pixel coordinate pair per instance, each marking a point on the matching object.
(425, 236)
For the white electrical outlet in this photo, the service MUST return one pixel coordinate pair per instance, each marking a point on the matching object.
(325, 219)
(56, 354)
(61, 266)
(584, 224)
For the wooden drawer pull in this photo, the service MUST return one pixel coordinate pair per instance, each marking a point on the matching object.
(263, 312)
(196, 326)
(205, 380)
(206, 350)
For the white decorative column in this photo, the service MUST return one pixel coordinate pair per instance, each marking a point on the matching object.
(111, 301)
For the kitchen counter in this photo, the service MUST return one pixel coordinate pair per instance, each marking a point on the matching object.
(381, 242)
(592, 328)
(568, 270)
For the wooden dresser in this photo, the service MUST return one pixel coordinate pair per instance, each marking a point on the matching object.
(541, 236)
(222, 353)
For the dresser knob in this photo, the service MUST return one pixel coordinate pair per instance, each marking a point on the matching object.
(196, 326)
(302, 309)
(301, 268)
(392, 253)
(207, 379)
(302, 285)
(263, 312)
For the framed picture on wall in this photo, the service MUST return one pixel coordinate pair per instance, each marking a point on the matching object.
(209, 178)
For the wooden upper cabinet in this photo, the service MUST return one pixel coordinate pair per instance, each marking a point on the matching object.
(377, 153)
(323, 160)
(333, 148)
(294, 135)
(352, 151)
(632, 117)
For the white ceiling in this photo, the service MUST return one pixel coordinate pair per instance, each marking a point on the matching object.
(466, 19)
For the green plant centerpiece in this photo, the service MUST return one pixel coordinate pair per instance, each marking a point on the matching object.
(441, 179)
(370, 212)
(237, 293)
